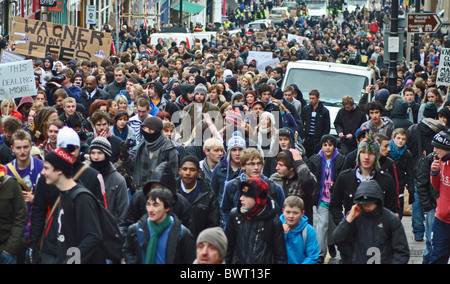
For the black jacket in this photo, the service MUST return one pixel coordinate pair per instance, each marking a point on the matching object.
(180, 244)
(86, 101)
(45, 197)
(345, 187)
(259, 240)
(321, 124)
(79, 227)
(379, 229)
(427, 194)
(205, 207)
(348, 122)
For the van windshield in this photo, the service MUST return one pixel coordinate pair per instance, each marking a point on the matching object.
(332, 86)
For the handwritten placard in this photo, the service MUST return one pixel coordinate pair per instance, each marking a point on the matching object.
(17, 80)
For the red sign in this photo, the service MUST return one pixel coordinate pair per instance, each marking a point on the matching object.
(423, 23)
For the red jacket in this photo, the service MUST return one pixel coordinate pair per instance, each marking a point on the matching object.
(441, 182)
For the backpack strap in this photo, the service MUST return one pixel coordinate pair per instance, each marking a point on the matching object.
(80, 172)
(305, 235)
(18, 177)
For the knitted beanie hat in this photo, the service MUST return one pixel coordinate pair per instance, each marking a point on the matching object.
(61, 160)
(430, 110)
(369, 145)
(200, 88)
(102, 144)
(236, 141)
(216, 237)
(441, 140)
(234, 117)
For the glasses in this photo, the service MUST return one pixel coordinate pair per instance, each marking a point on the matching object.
(254, 164)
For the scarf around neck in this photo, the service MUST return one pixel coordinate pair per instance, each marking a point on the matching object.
(395, 153)
(155, 231)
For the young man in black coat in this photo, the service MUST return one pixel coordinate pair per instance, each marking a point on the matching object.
(78, 219)
(316, 123)
(348, 119)
(368, 168)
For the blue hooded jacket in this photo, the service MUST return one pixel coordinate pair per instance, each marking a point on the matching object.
(298, 250)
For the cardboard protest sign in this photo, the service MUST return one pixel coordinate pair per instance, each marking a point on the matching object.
(17, 80)
(38, 38)
(260, 36)
(443, 75)
(297, 38)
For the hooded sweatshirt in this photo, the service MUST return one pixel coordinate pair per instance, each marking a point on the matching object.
(379, 229)
(299, 250)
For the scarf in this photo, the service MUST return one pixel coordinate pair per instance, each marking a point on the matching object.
(156, 231)
(146, 157)
(123, 135)
(257, 209)
(395, 153)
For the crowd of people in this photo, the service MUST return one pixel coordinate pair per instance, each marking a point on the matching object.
(199, 157)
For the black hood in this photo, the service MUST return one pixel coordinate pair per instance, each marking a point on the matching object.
(185, 89)
(163, 175)
(400, 109)
(369, 189)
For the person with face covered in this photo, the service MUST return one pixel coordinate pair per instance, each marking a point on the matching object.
(153, 149)
(371, 233)
(115, 184)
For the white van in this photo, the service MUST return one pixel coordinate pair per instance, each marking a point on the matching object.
(332, 80)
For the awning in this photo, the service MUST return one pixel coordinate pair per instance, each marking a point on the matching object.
(189, 7)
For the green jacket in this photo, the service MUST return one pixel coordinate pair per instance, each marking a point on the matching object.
(13, 215)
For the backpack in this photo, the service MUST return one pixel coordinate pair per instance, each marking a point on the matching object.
(113, 239)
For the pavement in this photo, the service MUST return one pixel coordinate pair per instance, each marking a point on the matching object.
(415, 248)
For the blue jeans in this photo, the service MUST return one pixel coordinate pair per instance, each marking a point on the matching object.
(417, 216)
(7, 259)
(429, 220)
(440, 242)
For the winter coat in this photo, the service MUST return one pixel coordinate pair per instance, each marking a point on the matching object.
(259, 240)
(163, 175)
(427, 194)
(180, 248)
(321, 124)
(86, 101)
(301, 185)
(114, 88)
(205, 207)
(379, 229)
(13, 215)
(424, 130)
(399, 114)
(348, 122)
(78, 226)
(440, 182)
(231, 195)
(45, 197)
(345, 187)
(299, 250)
(116, 194)
(398, 111)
